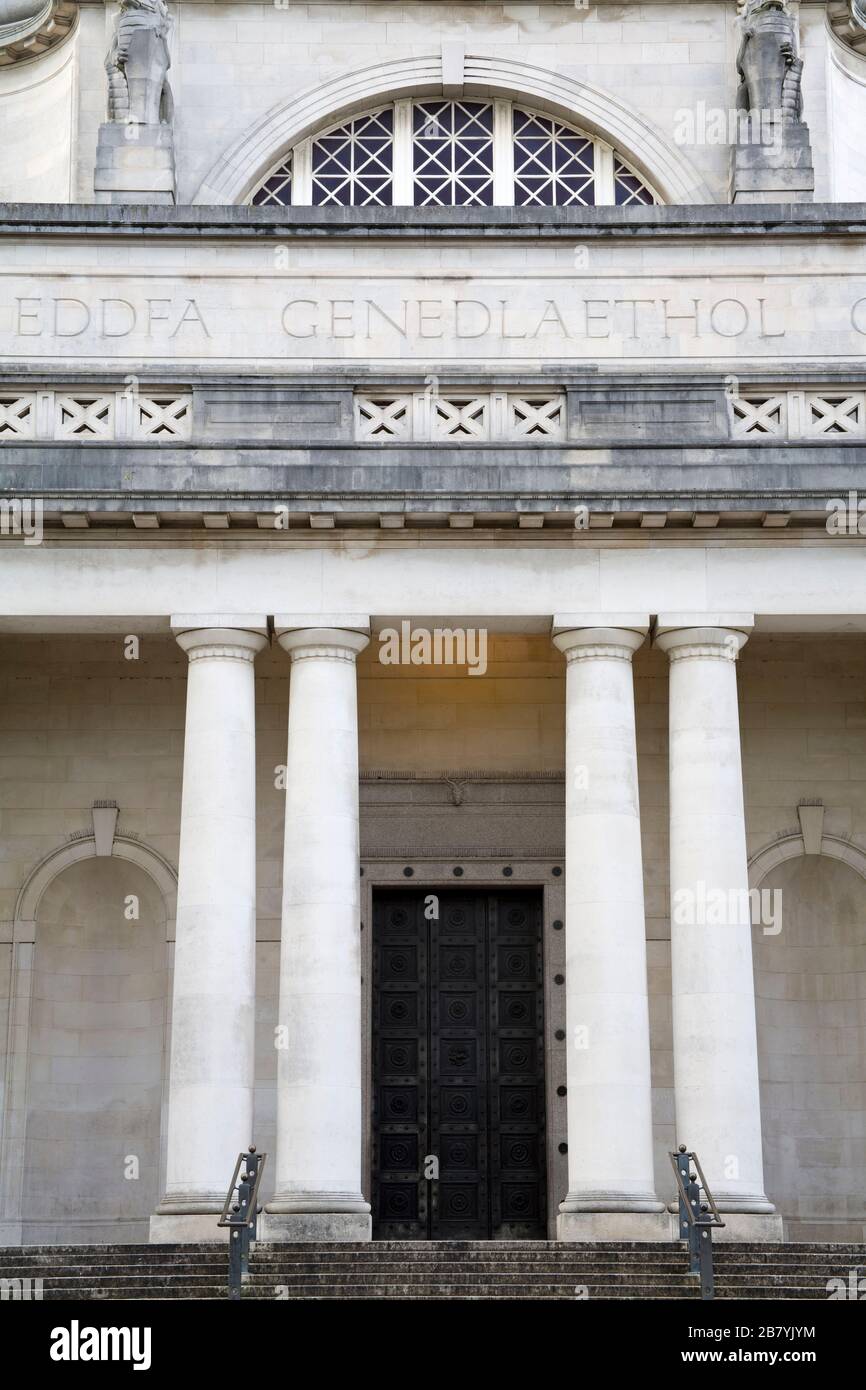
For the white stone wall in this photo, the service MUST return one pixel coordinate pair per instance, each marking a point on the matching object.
(236, 61)
(78, 723)
(233, 62)
(726, 305)
(846, 101)
(38, 127)
(815, 43)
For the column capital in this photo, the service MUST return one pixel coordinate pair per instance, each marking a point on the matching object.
(323, 643)
(221, 643)
(687, 636)
(599, 643)
(702, 643)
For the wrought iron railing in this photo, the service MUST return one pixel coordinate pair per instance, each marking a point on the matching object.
(697, 1218)
(240, 1213)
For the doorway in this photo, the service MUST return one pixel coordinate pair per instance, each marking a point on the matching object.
(458, 1065)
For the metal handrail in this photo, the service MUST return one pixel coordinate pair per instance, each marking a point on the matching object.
(697, 1218)
(241, 1215)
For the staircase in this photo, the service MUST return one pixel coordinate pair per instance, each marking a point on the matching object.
(404, 1270)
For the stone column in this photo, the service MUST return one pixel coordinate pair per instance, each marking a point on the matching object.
(611, 1190)
(319, 1069)
(718, 1112)
(211, 1079)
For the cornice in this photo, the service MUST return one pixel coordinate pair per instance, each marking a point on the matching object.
(683, 222)
(847, 20)
(40, 26)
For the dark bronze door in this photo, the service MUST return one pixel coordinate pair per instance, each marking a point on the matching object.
(458, 1065)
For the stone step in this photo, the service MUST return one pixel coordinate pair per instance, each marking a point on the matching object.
(598, 1258)
(267, 1285)
(444, 1292)
(611, 1276)
(402, 1248)
(422, 1270)
(433, 1268)
(430, 1249)
(71, 1266)
(346, 1270)
(336, 1264)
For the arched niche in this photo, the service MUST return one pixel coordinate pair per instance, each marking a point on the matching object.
(810, 987)
(84, 1095)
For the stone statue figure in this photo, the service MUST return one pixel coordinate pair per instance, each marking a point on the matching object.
(770, 71)
(137, 64)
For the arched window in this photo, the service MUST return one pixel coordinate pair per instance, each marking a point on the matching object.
(438, 153)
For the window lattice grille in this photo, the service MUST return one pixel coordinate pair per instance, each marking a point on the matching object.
(17, 416)
(452, 152)
(844, 413)
(86, 415)
(277, 188)
(553, 165)
(536, 417)
(760, 414)
(443, 153)
(774, 413)
(162, 417)
(628, 187)
(353, 166)
(460, 417)
(382, 418)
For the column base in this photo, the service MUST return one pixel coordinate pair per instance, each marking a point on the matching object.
(592, 1226)
(308, 1226)
(186, 1228)
(762, 1228)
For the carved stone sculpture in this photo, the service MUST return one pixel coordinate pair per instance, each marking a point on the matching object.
(135, 149)
(770, 70)
(772, 159)
(137, 64)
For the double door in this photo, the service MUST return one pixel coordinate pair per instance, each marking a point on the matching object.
(458, 1065)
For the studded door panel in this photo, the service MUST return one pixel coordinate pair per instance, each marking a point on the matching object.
(400, 1067)
(458, 1066)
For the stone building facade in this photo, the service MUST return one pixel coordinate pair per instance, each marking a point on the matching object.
(432, 613)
